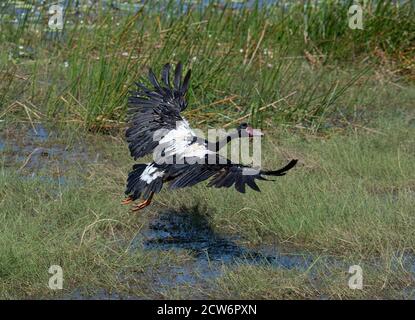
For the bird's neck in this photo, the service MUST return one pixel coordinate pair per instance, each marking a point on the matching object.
(224, 141)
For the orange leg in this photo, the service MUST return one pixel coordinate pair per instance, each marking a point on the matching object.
(143, 204)
(127, 200)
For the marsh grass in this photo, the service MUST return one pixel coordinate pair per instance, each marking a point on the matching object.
(347, 189)
(330, 282)
(246, 62)
(72, 226)
(340, 101)
(350, 199)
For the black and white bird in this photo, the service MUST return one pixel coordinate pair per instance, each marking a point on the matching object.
(156, 126)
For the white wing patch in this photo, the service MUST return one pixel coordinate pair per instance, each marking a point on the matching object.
(180, 142)
(196, 150)
(151, 173)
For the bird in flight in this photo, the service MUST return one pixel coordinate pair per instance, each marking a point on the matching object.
(181, 158)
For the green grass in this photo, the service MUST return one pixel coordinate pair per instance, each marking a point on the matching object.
(248, 59)
(352, 193)
(340, 101)
(74, 227)
(351, 198)
(248, 282)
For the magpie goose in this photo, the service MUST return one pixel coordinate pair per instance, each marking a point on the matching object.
(180, 157)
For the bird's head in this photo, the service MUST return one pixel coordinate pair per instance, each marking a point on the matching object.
(245, 129)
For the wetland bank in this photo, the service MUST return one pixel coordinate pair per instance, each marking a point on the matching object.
(339, 100)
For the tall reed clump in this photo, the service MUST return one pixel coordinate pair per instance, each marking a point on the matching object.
(263, 63)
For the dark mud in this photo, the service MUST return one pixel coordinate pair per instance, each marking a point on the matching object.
(191, 231)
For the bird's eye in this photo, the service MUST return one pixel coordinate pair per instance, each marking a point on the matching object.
(243, 125)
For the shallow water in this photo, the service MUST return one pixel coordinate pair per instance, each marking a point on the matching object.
(190, 231)
(211, 251)
(35, 149)
(101, 294)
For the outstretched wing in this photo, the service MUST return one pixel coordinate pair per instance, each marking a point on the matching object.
(151, 110)
(242, 175)
(224, 175)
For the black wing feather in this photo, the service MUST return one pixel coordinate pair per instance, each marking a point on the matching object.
(185, 86)
(178, 77)
(165, 75)
(152, 109)
(282, 171)
(234, 173)
(224, 175)
(153, 80)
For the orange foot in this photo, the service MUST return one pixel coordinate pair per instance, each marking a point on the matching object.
(141, 205)
(127, 200)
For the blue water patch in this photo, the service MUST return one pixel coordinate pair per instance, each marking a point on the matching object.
(100, 294)
(211, 251)
(22, 12)
(33, 150)
(184, 231)
(38, 133)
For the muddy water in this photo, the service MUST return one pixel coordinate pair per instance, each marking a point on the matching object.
(37, 152)
(191, 232)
